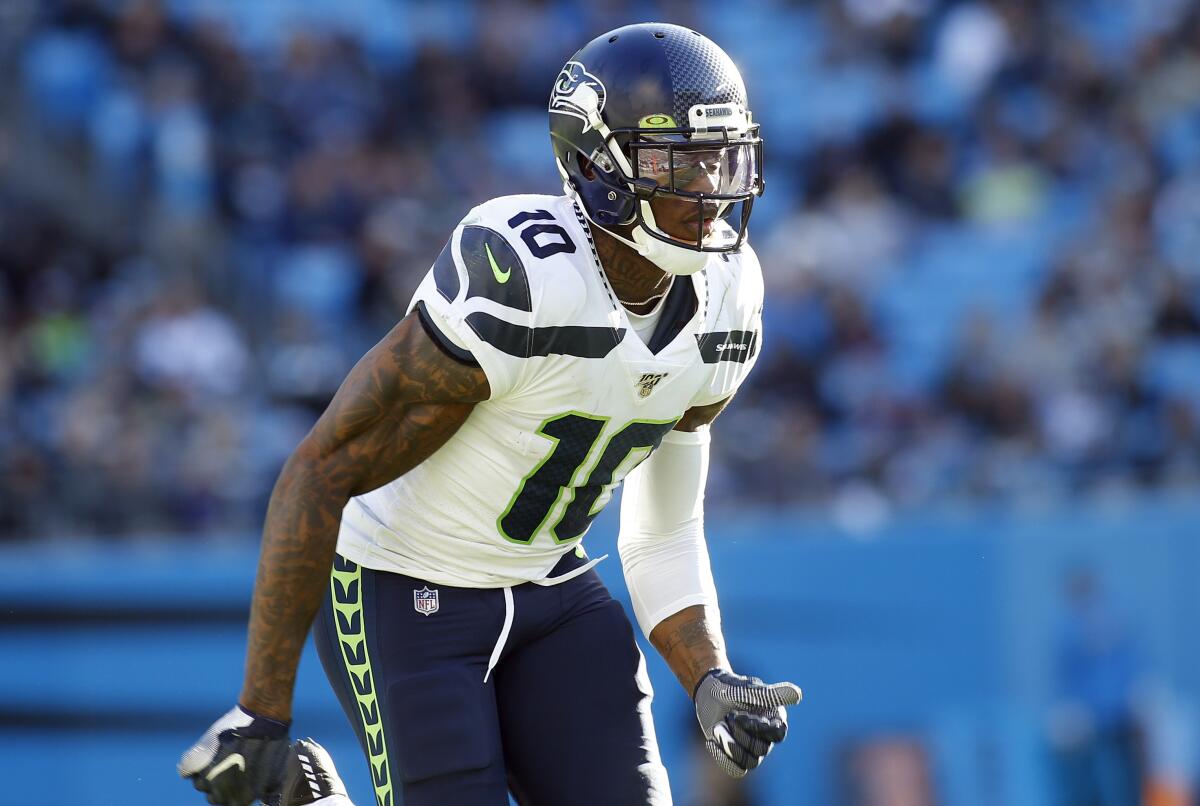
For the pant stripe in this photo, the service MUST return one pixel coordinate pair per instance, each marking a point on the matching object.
(349, 620)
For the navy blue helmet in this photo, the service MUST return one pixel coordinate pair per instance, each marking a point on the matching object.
(657, 110)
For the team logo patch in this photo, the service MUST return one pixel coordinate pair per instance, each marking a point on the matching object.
(425, 601)
(648, 381)
(577, 93)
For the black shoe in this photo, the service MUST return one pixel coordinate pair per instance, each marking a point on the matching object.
(311, 778)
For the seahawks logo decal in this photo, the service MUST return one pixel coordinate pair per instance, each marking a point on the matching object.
(577, 93)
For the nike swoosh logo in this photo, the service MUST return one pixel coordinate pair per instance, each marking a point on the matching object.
(724, 738)
(232, 760)
(501, 276)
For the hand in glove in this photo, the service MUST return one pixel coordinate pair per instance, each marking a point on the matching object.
(239, 759)
(742, 718)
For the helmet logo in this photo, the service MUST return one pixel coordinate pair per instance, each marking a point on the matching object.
(657, 122)
(577, 93)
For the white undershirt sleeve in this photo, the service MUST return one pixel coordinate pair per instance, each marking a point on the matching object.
(662, 546)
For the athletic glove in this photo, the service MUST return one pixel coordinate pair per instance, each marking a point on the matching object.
(239, 759)
(742, 718)
(311, 779)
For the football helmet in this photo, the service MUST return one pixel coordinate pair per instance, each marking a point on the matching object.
(658, 110)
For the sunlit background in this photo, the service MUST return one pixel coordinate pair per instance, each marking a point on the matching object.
(958, 501)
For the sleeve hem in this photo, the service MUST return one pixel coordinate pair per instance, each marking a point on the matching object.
(443, 341)
(701, 436)
(652, 620)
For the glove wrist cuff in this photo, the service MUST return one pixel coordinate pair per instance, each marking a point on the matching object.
(271, 728)
(711, 672)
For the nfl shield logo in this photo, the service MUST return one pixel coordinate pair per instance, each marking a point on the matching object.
(648, 381)
(425, 601)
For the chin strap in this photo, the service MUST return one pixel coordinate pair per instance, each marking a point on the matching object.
(671, 259)
(574, 194)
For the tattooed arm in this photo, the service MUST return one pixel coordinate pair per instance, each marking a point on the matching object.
(399, 404)
(741, 718)
(691, 643)
(689, 640)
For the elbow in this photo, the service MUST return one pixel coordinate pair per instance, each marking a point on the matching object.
(305, 462)
(316, 473)
(309, 452)
(641, 548)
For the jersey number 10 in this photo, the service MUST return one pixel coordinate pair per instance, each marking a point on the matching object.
(575, 436)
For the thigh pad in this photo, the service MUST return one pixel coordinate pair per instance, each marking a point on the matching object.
(442, 723)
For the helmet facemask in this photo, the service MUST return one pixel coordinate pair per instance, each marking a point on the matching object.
(653, 137)
(715, 174)
(716, 168)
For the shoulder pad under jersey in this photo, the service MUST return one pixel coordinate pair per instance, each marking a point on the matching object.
(730, 340)
(507, 286)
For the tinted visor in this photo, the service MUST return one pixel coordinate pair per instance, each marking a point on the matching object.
(727, 170)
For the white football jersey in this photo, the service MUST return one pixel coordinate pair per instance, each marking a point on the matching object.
(577, 399)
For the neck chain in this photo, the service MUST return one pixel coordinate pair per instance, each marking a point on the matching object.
(645, 301)
(612, 295)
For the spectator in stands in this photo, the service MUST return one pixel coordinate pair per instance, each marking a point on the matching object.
(1096, 726)
(977, 235)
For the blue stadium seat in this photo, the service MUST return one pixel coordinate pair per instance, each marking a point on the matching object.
(66, 74)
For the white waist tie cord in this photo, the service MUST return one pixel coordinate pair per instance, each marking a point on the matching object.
(508, 620)
(508, 608)
(558, 580)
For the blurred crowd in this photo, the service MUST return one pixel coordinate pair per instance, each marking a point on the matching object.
(980, 237)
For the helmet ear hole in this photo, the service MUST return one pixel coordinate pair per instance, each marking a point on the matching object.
(585, 166)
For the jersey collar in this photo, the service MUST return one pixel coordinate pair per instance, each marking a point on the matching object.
(685, 307)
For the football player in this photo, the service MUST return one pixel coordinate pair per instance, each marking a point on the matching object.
(557, 343)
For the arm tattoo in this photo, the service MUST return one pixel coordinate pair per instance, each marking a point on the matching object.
(690, 642)
(399, 404)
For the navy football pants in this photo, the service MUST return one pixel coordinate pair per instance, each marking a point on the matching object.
(562, 720)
